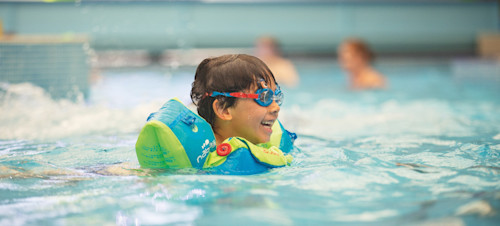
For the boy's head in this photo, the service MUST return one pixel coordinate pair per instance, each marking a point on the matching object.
(229, 115)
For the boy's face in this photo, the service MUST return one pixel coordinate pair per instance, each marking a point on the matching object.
(253, 121)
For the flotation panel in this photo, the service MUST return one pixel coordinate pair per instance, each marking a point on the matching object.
(174, 137)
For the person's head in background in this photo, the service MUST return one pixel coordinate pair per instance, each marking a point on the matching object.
(218, 91)
(354, 54)
(266, 47)
(356, 58)
(268, 50)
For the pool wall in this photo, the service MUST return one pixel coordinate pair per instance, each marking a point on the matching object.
(302, 26)
(59, 64)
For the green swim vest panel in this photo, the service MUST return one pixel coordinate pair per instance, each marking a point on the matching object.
(174, 137)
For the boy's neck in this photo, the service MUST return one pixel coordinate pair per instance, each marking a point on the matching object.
(218, 139)
(219, 136)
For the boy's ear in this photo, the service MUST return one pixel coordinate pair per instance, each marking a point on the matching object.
(220, 111)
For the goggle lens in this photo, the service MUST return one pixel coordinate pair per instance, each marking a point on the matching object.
(266, 97)
(279, 98)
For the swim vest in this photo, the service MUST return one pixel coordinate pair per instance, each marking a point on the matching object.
(176, 137)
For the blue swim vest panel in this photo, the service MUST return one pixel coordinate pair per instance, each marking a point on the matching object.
(240, 162)
(193, 132)
(287, 139)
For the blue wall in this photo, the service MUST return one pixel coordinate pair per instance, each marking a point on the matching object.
(61, 68)
(421, 26)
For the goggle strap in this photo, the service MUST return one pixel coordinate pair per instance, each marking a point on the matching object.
(244, 95)
(235, 94)
(215, 93)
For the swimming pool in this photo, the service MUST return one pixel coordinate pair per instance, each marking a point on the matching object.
(423, 152)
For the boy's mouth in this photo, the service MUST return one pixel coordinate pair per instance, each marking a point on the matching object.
(268, 123)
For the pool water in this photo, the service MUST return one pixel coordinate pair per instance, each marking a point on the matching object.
(424, 152)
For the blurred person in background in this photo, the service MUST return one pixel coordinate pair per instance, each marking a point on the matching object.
(268, 50)
(356, 58)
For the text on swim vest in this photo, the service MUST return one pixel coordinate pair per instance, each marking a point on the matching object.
(207, 145)
(271, 152)
(157, 152)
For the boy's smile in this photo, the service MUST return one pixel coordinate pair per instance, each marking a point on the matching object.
(268, 124)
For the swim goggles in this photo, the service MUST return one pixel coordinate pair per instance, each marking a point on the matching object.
(264, 96)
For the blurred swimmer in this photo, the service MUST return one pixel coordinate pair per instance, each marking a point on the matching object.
(267, 49)
(356, 58)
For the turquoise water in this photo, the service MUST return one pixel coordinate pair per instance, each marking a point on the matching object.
(424, 152)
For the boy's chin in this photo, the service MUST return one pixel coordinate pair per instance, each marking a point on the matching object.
(264, 140)
(258, 138)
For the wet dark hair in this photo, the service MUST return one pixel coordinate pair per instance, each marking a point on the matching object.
(227, 73)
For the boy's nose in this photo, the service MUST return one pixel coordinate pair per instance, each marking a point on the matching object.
(274, 108)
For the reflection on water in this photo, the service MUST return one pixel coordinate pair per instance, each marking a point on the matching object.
(424, 152)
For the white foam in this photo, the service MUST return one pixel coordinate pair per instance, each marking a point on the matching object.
(28, 112)
(332, 118)
(367, 216)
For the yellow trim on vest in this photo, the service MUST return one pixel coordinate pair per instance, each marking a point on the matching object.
(275, 139)
(272, 156)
